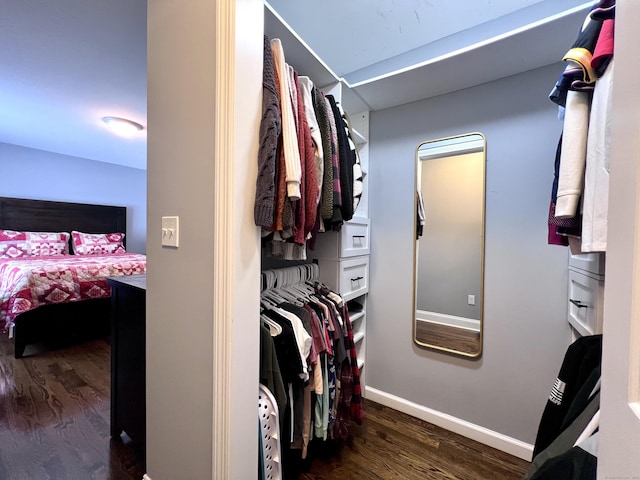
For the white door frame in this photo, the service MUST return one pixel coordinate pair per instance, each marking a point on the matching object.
(620, 417)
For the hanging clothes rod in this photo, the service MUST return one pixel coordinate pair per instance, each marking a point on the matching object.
(283, 277)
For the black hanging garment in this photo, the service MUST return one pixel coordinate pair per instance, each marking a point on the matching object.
(581, 359)
(347, 159)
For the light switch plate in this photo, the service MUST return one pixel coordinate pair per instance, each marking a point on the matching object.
(170, 231)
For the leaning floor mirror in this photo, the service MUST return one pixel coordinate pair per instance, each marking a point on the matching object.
(449, 246)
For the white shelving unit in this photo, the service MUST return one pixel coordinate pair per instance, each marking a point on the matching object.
(343, 256)
(586, 293)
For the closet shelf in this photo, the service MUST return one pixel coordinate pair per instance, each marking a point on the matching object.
(301, 57)
(358, 137)
(360, 363)
(358, 336)
(579, 327)
(356, 316)
(297, 53)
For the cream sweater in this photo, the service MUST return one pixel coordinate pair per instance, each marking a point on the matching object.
(289, 133)
(574, 153)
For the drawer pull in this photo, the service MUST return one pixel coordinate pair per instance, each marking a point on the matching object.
(578, 303)
(356, 279)
(358, 236)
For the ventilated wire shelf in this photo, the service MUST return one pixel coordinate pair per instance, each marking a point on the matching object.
(270, 434)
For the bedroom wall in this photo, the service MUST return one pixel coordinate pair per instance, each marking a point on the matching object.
(525, 327)
(42, 175)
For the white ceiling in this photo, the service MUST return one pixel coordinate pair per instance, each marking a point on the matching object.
(351, 35)
(65, 64)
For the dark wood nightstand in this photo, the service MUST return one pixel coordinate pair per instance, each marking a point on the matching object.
(128, 363)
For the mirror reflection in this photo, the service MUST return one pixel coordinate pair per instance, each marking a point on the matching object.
(449, 247)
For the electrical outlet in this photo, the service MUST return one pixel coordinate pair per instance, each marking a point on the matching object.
(471, 299)
(170, 231)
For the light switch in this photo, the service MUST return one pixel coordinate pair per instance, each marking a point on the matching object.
(170, 231)
(471, 299)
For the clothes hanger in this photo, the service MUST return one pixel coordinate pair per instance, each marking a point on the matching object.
(302, 290)
(288, 293)
(273, 297)
(267, 302)
(299, 290)
(270, 279)
(274, 328)
(281, 277)
(291, 295)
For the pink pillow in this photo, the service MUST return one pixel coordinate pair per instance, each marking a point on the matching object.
(97, 243)
(32, 244)
(13, 244)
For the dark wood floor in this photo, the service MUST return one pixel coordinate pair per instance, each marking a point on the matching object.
(54, 424)
(446, 336)
(392, 445)
(54, 416)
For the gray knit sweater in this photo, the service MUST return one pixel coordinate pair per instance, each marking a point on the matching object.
(270, 129)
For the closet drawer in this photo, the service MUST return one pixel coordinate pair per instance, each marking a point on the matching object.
(353, 277)
(589, 262)
(586, 295)
(354, 238)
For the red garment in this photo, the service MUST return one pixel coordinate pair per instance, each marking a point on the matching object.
(604, 47)
(309, 169)
(282, 189)
(301, 125)
(351, 388)
(281, 182)
(316, 333)
(554, 238)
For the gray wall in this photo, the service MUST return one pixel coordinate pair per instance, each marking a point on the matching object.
(525, 327)
(41, 175)
(180, 281)
(450, 250)
(183, 369)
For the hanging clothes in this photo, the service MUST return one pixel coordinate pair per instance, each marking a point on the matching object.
(579, 204)
(421, 216)
(346, 161)
(326, 200)
(358, 175)
(574, 153)
(561, 229)
(306, 86)
(270, 375)
(270, 129)
(596, 188)
(582, 358)
(317, 362)
(309, 175)
(289, 140)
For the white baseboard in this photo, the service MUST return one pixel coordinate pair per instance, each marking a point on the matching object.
(146, 477)
(480, 434)
(450, 320)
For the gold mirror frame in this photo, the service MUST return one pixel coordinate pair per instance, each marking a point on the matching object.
(478, 353)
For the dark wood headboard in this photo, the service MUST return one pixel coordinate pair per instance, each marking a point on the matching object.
(46, 216)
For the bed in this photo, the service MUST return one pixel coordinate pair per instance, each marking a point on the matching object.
(33, 307)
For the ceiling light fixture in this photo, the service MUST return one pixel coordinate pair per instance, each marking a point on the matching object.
(122, 126)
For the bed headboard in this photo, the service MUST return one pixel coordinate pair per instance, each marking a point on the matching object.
(47, 216)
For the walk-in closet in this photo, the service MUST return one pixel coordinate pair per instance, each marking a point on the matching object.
(483, 108)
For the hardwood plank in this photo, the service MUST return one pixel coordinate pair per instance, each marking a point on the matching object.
(447, 336)
(54, 423)
(392, 445)
(54, 416)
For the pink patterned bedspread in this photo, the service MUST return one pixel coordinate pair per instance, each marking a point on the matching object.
(29, 283)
